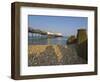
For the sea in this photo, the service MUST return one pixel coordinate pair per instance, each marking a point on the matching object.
(46, 41)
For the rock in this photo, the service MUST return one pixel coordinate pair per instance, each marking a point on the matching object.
(50, 56)
(70, 55)
(81, 36)
(82, 45)
(71, 40)
(47, 57)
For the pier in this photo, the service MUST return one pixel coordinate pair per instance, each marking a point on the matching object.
(39, 33)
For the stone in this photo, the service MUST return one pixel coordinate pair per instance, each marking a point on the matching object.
(71, 40)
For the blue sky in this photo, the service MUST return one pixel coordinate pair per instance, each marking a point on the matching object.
(64, 24)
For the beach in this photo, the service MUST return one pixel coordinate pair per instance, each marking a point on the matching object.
(44, 55)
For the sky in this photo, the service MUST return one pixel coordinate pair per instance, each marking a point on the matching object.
(58, 24)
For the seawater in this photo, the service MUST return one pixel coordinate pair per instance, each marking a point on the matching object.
(46, 41)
